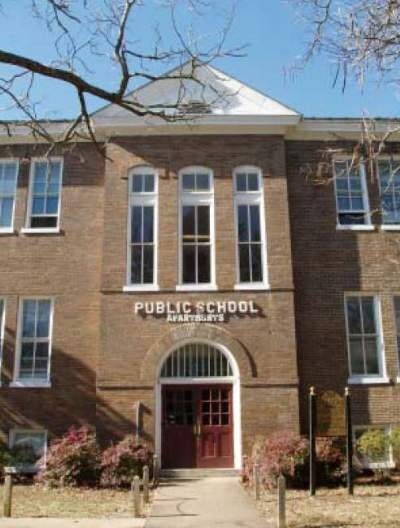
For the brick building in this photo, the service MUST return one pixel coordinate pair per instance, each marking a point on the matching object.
(193, 284)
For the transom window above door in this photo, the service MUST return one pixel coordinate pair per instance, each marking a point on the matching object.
(197, 360)
(196, 230)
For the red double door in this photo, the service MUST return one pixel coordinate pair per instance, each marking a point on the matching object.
(197, 428)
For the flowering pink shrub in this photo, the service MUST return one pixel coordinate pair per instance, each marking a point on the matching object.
(121, 462)
(73, 460)
(331, 460)
(280, 453)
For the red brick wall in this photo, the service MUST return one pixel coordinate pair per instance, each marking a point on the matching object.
(327, 263)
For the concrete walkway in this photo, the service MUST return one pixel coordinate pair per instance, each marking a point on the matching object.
(218, 502)
(39, 522)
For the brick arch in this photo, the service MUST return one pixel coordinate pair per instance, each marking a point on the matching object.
(214, 334)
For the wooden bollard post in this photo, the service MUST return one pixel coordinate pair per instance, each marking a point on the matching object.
(349, 442)
(257, 481)
(136, 496)
(281, 502)
(312, 432)
(7, 497)
(146, 495)
(155, 471)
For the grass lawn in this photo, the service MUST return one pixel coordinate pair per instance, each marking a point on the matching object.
(38, 501)
(370, 506)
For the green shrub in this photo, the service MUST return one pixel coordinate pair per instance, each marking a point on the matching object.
(373, 446)
(395, 444)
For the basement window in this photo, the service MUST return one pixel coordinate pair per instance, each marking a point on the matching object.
(29, 446)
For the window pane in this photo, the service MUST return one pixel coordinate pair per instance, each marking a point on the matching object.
(136, 264)
(356, 356)
(371, 355)
(189, 264)
(353, 314)
(136, 229)
(343, 203)
(52, 205)
(149, 183)
(188, 182)
(241, 182)
(6, 209)
(342, 186)
(203, 182)
(28, 318)
(26, 361)
(137, 183)
(203, 264)
(341, 168)
(352, 219)
(397, 312)
(243, 223)
(9, 180)
(38, 205)
(148, 221)
(203, 223)
(244, 262)
(255, 235)
(188, 223)
(148, 264)
(256, 263)
(36, 441)
(368, 315)
(44, 221)
(43, 319)
(252, 180)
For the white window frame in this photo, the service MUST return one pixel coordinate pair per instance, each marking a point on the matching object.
(142, 199)
(389, 464)
(381, 378)
(397, 333)
(367, 226)
(251, 198)
(2, 332)
(383, 226)
(56, 229)
(11, 441)
(193, 198)
(26, 383)
(10, 229)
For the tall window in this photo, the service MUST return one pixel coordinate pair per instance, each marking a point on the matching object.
(351, 193)
(2, 326)
(8, 187)
(142, 232)
(389, 186)
(397, 315)
(44, 194)
(250, 227)
(34, 340)
(364, 336)
(196, 228)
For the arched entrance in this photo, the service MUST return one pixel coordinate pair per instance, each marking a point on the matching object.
(198, 407)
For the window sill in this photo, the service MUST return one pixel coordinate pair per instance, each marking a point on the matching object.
(7, 231)
(40, 230)
(143, 288)
(379, 465)
(251, 286)
(21, 384)
(390, 227)
(361, 227)
(196, 287)
(368, 380)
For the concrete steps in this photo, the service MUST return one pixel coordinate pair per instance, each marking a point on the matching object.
(197, 473)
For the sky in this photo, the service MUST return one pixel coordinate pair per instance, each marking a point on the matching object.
(275, 36)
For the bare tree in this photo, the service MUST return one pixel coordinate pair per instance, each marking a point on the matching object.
(362, 40)
(109, 33)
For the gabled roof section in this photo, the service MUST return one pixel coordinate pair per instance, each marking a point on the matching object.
(218, 97)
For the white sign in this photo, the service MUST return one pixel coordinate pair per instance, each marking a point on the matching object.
(187, 312)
